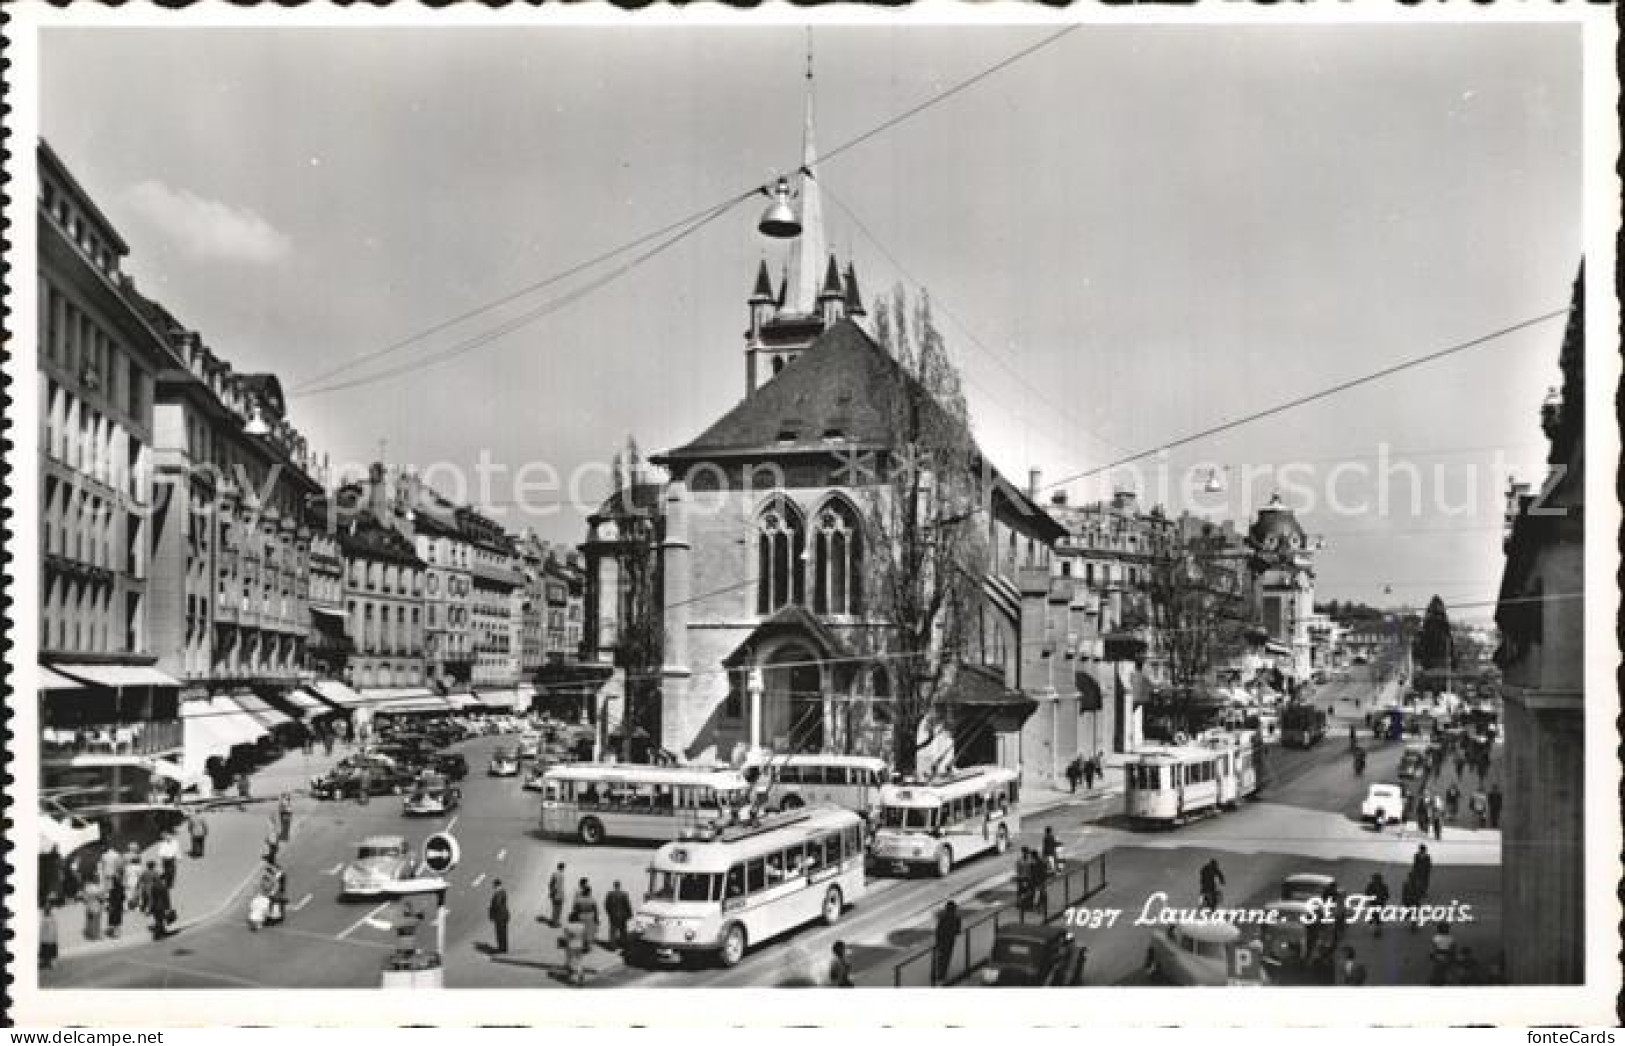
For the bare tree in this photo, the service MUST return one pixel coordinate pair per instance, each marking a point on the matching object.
(1193, 611)
(925, 527)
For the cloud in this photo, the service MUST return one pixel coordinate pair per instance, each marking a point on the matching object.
(208, 229)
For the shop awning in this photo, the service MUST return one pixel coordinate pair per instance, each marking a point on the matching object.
(332, 613)
(261, 709)
(499, 700)
(243, 728)
(49, 680)
(337, 694)
(306, 702)
(118, 675)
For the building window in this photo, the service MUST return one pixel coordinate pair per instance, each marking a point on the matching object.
(779, 580)
(837, 561)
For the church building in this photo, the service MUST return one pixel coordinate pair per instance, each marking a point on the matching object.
(731, 590)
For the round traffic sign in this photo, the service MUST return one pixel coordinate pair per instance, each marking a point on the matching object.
(440, 853)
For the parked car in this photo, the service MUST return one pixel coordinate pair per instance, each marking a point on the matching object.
(345, 782)
(1029, 954)
(1286, 941)
(1384, 804)
(504, 763)
(381, 864)
(1205, 952)
(432, 796)
(453, 765)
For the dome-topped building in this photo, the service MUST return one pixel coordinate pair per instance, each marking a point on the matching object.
(1283, 592)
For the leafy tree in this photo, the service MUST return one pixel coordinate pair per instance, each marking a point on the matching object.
(1433, 646)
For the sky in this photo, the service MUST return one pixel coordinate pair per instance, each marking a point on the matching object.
(1131, 234)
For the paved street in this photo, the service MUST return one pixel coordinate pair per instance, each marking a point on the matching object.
(1307, 819)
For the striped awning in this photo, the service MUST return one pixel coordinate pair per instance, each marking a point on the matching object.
(116, 676)
(49, 680)
(1003, 595)
(260, 709)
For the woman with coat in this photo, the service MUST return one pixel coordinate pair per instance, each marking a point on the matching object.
(584, 910)
(116, 900)
(93, 910)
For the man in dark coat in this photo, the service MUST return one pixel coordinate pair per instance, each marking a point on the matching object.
(158, 905)
(947, 935)
(1496, 799)
(1422, 870)
(498, 911)
(618, 911)
(555, 895)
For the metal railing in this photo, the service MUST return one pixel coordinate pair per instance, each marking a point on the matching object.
(1077, 881)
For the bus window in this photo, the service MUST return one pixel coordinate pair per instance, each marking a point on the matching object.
(735, 886)
(854, 840)
(663, 800)
(816, 858)
(832, 850)
(787, 775)
(755, 875)
(682, 886)
(775, 868)
(795, 862)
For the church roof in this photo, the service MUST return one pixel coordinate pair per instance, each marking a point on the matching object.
(841, 383)
(764, 287)
(832, 281)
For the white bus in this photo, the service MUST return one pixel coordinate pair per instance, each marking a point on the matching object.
(1169, 784)
(594, 801)
(789, 782)
(750, 883)
(940, 823)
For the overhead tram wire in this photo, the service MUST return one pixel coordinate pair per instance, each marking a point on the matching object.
(485, 338)
(306, 387)
(1061, 412)
(1312, 397)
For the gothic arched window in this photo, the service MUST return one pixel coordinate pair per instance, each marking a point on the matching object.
(778, 557)
(837, 561)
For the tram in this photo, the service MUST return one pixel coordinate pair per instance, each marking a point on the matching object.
(1171, 784)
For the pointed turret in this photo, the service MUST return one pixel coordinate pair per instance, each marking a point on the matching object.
(854, 299)
(832, 296)
(763, 294)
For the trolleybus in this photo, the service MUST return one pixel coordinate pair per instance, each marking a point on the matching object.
(726, 891)
(789, 782)
(594, 801)
(942, 822)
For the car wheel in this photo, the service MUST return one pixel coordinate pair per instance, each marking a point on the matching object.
(944, 863)
(591, 831)
(1001, 841)
(734, 944)
(834, 904)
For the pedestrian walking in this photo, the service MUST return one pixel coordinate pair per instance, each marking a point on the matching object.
(50, 875)
(197, 829)
(159, 906)
(1422, 870)
(134, 879)
(1377, 890)
(840, 969)
(273, 841)
(947, 935)
(1052, 851)
(1452, 800)
(72, 880)
(498, 911)
(1074, 773)
(327, 742)
(169, 859)
(47, 935)
(243, 790)
(1479, 806)
(363, 792)
(1495, 799)
(95, 900)
(284, 814)
(1461, 765)
(110, 867)
(618, 910)
(1211, 878)
(1410, 897)
(1424, 806)
(555, 895)
(1353, 741)
(584, 910)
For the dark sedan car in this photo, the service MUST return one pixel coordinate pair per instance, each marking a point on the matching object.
(346, 783)
(1034, 955)
(453, 765)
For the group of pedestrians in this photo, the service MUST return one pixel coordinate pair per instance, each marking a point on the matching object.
(1087, 771)
(578, 924)
(1034, 869)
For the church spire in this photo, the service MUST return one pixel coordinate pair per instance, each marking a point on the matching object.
(807, 250)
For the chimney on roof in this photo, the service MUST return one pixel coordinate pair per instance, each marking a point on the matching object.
(1033, 477)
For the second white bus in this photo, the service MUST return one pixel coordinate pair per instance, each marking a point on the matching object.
(595, 801)
(749, 884)
(789, 782)
(939, 823)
